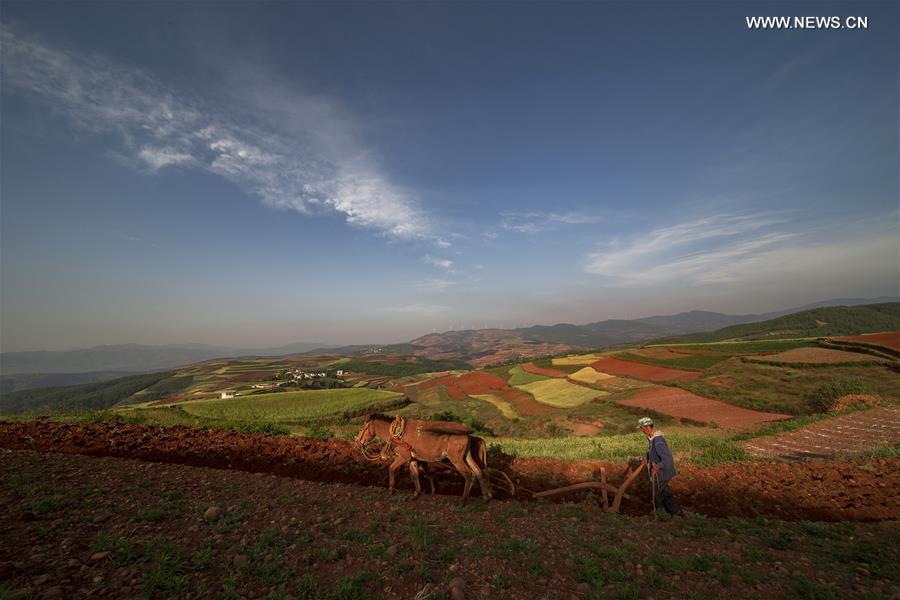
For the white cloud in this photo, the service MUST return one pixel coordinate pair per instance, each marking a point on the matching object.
(303, 155)
(157, 158)
(442, 263)
(707, 250)
(537, 222)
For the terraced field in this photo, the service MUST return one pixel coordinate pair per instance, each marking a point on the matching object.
(844, 435)
(560, 393)
(294, 407)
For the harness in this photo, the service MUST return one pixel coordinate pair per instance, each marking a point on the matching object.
(398, 426)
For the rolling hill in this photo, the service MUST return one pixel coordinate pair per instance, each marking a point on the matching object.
(817, 322)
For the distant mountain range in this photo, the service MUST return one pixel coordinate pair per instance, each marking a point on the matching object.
(133, 357)
(476, 346)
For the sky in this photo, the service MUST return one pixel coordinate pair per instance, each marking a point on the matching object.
(257, 174)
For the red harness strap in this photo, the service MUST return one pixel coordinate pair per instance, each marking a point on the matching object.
(402, 444)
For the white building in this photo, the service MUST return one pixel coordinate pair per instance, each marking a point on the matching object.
(226, 395)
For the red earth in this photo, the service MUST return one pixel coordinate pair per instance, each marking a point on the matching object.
(253, 376)
(625, 368)
(532, 368)
(682, 404)
(812, 490)
(890, 340)
(851, 433)
(477, 382)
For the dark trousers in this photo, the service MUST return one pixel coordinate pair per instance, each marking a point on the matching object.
(663, 497)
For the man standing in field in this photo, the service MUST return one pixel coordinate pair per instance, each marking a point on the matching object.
(661, 466)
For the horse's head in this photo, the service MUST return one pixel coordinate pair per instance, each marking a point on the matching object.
(365, 435)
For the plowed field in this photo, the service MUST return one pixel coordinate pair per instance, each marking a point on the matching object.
(682, 404)
(847, 434)
(531, 368)
(479, 384)
(116, 528)
(817, 356)
(625, 368)
(833, 490)
(890, 340)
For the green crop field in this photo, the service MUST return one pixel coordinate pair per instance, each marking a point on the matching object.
(560, 393)
(519, 376)
(708, 446)
(750, 347)
(293, 407)
(789, 390)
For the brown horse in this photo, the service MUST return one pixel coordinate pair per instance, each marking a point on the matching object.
(423, 442)
(429, 470)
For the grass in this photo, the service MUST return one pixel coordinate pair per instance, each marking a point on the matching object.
(502, 405)
(749, 347)
(789, 390)
(519, 376)
(579, 360)
(560, 393)
(294, 407)
(706, 446)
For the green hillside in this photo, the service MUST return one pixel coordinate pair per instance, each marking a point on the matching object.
(818, 322)
(92, 396)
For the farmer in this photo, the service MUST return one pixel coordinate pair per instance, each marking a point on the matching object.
(661, 467)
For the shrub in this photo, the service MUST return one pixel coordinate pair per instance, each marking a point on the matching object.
(822, 399)
(446, 416)
(319, 431)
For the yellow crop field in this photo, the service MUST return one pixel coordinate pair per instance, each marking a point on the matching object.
(560, 393)
(502, 405)
(582, 359)
(589, 375)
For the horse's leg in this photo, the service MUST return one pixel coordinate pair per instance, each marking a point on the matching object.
(414, 474)
(430, 475)
(460, 463)
(480, 475)
(398, 462)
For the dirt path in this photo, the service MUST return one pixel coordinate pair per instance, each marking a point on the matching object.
(847, 434)
(682, 404)
(776, 489)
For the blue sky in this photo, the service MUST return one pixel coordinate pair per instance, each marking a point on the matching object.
(256, 174)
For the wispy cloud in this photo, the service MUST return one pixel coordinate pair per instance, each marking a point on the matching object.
(537, 222)
(708, 250)
(309, 161)
(442, 263)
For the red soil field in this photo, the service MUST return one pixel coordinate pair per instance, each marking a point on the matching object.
(524, 402)
(471, 384)
(686, 405)
(531, 368)
(890, 340)
(625, 368)
(816, 356)
(850, 433)
(814, 490)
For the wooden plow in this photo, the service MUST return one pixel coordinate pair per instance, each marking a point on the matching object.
(603, 485)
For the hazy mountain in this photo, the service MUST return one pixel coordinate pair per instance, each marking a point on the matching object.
(466, 345)
(825, 321)
(131, 357)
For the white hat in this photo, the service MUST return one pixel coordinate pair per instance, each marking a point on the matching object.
(645, 422)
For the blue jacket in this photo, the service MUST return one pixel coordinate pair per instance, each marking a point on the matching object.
(659, 454)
